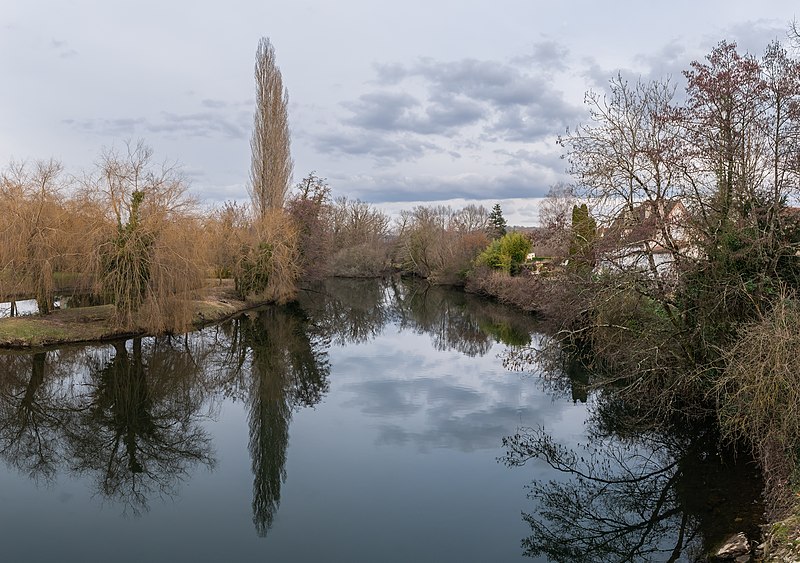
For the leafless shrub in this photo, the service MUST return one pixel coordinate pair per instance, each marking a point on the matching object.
(523, 291)
(354, 222)
(440, 244)
(759, 392)
(224, 231)
(361, 261)
(269, 264)
(309, 208)
(31, 230)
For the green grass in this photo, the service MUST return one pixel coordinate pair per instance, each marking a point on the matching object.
(83, 324)
(69, 325)
(31, 332)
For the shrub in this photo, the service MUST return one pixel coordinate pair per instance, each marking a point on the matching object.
(759, 391)
(269, 264)
(366, 260)
(506, 253)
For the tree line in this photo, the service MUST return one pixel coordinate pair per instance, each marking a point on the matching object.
(130, 233)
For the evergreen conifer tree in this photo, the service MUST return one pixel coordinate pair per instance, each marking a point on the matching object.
(496, 227)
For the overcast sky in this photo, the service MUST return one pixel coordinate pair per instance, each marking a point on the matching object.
(391, 101)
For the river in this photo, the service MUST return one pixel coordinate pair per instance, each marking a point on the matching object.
(370, 421)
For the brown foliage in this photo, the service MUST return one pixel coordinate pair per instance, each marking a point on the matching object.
(309, 209)
(524, 291)
(759, 392)
(32, 231)
(148, 262)
(365, 260)
(440, 244)
(224, 232)
(269, 262)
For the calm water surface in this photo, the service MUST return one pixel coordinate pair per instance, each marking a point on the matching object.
(367, 423)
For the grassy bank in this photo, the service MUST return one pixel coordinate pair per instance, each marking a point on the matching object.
(216, 302)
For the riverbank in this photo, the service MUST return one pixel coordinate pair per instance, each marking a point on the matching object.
(561, 305)
(216, 302)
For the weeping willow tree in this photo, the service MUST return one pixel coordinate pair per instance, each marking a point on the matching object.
(149, 262)
(31, 231)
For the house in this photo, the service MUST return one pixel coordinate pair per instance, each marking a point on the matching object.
(650, 229)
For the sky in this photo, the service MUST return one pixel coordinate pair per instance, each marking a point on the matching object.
(396, 103)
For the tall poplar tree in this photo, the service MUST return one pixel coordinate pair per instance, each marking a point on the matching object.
(271, 161)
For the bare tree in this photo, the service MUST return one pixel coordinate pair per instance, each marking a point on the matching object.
(555, 210)
(31, 231)
(147, 261)
(271, 161)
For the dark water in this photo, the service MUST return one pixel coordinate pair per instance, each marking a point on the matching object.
(367, 423)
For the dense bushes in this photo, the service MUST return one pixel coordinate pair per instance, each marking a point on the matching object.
(759, 390)
(526, 292)
(269, 260)
(506, 253)
(439, 243)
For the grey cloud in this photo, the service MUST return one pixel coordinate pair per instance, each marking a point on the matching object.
(386, 111)
(449, 111)
(753, 36)
(545, 55)
(668, 63)
(63, 50)
(498, 99)
(391, 73)
(381, 110)
(125, 126)
(535, 123)
(454, 416)
(497, 83)
(390, 397)
(215, 104)
(595, 75)
(551, 55)
(382, 147)
(483, 429)
(202, 124)
(394, 187)
(504, 100)
(522, 157)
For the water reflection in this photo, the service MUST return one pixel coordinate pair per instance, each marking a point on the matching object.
(31, 413)
(130, 415)
(136, 427)
(355, 311)
(278, 363)
(348, 311)
(133, 419)
(645, 498)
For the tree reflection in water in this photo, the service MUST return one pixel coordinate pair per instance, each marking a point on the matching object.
(355, 311)
(348, 311)
(277, 357)
(633, 499)
(137, 426)
(130, 415)
(288, 369)
(32, 412)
